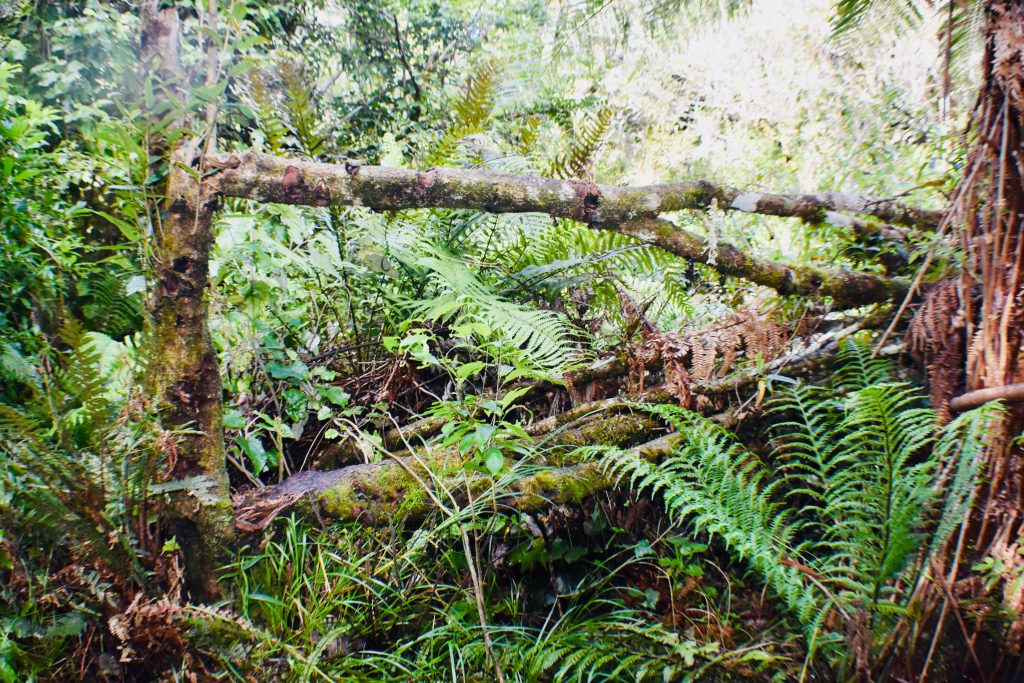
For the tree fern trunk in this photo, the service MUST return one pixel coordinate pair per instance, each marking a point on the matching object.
(989, 210)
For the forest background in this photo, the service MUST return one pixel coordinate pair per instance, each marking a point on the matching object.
(489, 390)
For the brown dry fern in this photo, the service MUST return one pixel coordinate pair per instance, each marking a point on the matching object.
(936, 340)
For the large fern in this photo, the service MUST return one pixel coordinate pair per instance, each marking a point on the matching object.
(456, 293)
(859, 486)
(471, 111)
(78, 473)
(586, 142)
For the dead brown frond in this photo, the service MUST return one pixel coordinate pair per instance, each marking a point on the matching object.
(936, 339)
(695, 356)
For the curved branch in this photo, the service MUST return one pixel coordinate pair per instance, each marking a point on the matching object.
(629, 210)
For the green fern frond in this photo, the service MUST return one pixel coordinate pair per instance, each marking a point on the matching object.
(269, 121)
(457, 294)
(471, 111)
(861, 486)
(804, 440)
(301, 107)
(721, 490)
(856, 369)
(877, 495)
(109, 308)
(961, 450)
(543, 336)
(78, 474)
(585, 144)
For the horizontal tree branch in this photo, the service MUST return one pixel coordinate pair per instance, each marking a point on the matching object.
(630, 210)
(1010, 393)
(291, 181)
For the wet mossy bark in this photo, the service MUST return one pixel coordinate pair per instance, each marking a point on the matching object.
(381, 491)
(183, 372)
(633, 211)
(185, 375)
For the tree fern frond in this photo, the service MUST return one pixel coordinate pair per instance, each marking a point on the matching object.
(541, 338)
(585, 144)
(856, 369)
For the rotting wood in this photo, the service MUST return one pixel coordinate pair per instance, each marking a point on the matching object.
(380, 490)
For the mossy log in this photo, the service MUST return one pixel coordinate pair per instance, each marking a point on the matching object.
(630, 210)
(397, 487)
(394, 486)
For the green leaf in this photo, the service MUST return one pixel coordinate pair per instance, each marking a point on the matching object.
(296, 370)
(253, 449)
(335, 395)
(238, 11)
(494, 460)
(233, 419)
(468, 370)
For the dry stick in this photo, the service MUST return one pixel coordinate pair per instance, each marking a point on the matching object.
(474, 573)
(947, 590)
(1001, 251)
(212, 72)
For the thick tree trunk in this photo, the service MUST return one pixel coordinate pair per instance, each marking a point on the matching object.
(971, 332)
(992, 211)
(183, 371)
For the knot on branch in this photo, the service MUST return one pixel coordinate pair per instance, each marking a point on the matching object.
(293, 184)
(589, 196)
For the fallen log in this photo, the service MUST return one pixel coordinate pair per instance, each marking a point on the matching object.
(395, 486)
